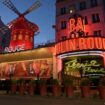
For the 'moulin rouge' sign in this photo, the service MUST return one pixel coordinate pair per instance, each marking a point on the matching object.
(78, 44)
(78, 40)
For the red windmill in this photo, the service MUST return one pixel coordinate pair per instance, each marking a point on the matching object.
(23, 31)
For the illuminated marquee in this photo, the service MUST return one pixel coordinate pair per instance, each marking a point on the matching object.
(78, 44)
(89, 68)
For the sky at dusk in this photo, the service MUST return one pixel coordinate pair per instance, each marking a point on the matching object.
(44, 17)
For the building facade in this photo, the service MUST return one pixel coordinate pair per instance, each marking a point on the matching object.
(92, 11)
(80, 38)
(36, 63)
(79, 50)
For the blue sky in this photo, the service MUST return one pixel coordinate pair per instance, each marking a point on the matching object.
(44, 17)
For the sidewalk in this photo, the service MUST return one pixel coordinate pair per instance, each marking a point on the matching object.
(48, 100)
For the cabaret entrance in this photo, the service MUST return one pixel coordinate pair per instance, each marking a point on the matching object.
(78, 65)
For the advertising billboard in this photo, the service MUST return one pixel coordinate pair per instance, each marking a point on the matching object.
(33, 68)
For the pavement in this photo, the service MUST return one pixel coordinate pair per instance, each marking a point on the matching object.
(48, 100)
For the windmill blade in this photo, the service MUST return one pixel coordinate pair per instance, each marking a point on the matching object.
(36, 5)
(11, 6)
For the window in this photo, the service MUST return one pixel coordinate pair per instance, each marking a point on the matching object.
(64, 37)
(93, 3)
(63, 25)
(63, 11)
(97, 33)
(72, 9)
(82, 5)
(95, 18)
(85, 20)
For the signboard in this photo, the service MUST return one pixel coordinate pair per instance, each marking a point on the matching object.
(14, 49)
(78, 44)
(91, 67)
(34, 68)
(76, 26)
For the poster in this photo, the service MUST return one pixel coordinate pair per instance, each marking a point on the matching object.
(34, 68)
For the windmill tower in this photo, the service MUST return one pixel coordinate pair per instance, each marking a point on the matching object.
(23, 31)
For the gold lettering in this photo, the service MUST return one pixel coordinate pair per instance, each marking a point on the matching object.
(98, 43)
(103, 43)
(67, 45)
(82, 44)
(90, 43)
(72, 44)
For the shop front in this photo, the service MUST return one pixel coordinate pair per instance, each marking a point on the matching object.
(81, 58)
(36, 63)
(26, 66)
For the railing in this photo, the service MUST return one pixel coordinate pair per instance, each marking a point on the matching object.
(47, 44)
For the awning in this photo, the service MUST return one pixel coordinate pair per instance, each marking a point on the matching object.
(40, 53)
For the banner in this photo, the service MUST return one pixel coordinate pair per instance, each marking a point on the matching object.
(35, 68)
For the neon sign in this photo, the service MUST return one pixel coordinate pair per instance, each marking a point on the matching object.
(14, 49)
(76, 65)
(87, 43)
(88, 67)
(76, 26)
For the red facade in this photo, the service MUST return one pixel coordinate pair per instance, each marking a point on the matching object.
(92, 12)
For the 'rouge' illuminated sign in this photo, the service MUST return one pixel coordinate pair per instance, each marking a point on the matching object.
(78, 44)
(14, 49)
